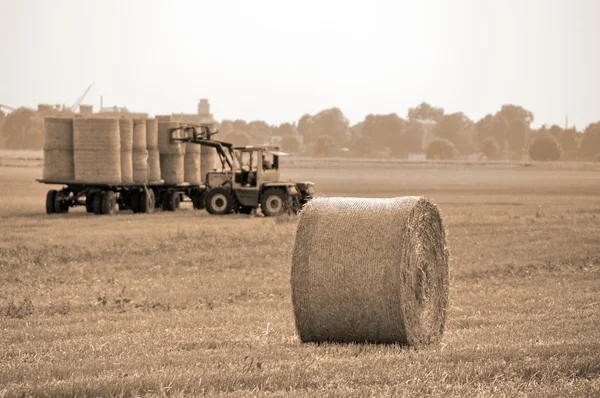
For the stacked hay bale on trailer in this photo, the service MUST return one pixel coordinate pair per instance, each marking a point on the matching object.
(139, 152)
(58, 158)
(153, 153)
(126, 134)
(172, 163)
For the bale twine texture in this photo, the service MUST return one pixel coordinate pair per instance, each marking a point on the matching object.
(172, 168)
(370, 271)
(208, 161)
(191, 167)
(153, 165)
(97, 150)
(165, 144)
(58, 149)
(126, 129)
(151, 134)
(139, 135)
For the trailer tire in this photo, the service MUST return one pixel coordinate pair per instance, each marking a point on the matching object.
(171, 201)
(50, 201)
(89, 203)
(146, 203)
(109, 203)
(273, 202)
(134, 201)
(97, 202)
(60, 203)
(219, 201)
(198, 198)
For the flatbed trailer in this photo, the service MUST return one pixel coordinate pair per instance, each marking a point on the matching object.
(107, 198)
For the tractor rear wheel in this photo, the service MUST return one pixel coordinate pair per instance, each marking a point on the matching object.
(50, 201)
(219, 201)
(273, 202)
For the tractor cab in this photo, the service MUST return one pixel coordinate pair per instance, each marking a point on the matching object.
(256, 165)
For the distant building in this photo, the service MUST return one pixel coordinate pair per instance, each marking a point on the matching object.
(203, 115)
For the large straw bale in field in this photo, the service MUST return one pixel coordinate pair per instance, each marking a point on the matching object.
(208, 161)
(165, 143)
(192, 164)
(97, 150)
(370, 270)
(126, 129)
(172, 168)
(140, 152)
(58, 149)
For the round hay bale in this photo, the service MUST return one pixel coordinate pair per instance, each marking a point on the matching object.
(126, 131)
(151, 134)
(58, 133)
(172, 168)
(139, 135)
(97, 150)
(208, 161)
(153, 165)
(165, 145)
(58, 165)
(370, 271)
(140, 166)
(191, 167)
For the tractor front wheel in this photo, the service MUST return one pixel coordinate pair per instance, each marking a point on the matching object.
(219, 201)
(273, 202)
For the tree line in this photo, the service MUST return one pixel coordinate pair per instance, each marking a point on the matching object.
(426, 129)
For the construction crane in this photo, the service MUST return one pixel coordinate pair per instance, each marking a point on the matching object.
(75, 106)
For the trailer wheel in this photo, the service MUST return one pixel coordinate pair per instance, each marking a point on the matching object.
(273, 202)
(89, 203)
(219, 201)
(171, 201)
(109, 203)
(60, 203)
(135, 199)
(146, 203)
(97, 202)
(198, 200)
(50, 201)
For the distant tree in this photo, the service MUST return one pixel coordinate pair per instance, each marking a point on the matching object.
(545, 148)
(240, 124)
(226, 127)
(490, 148)
(306, 128)
(412, 140)
(424, 111)
(286, 129)
(499, 128)
(569, 140)
(2, 116)
(238, 138)
(325, 145)
(441, 149)
(516, 135)
(385, 131)
(362, 146)
(291, 143)
(23, 129)
(456, 127)
(331, 122)
(555, 130)
(590, 143)
(484, 127)
(511, 112)
(259, 130)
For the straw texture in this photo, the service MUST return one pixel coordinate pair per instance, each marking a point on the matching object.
(153, 165)
(191, 172)
(58, 149)
(370, 270)
(165, 144)
(97, 150)
(208, 161)
(139, 152)
(172, 168)
(126, 130)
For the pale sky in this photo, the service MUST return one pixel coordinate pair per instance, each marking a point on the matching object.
(275, 60)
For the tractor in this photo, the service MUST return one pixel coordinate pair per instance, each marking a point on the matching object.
(249, 179)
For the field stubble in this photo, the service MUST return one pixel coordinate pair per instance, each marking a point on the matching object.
(186, 304)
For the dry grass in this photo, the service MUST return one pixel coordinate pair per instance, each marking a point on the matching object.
(187, 304)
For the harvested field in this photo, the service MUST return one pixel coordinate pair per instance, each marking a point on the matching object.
(137, 305)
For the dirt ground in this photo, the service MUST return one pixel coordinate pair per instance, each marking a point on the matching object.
(188, 304)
